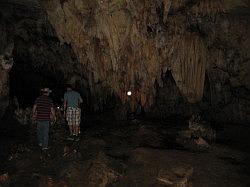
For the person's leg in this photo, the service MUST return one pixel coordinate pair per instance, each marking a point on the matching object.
(76, 138)
(69, 119)
(39, 133)
(77, 130)
(77, 121)
(73, 123)
(71, 129)
(70, 137)
(45, 134)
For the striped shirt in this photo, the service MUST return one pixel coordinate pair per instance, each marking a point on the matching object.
(43, 108)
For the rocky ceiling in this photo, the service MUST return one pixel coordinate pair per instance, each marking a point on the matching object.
(121, 45)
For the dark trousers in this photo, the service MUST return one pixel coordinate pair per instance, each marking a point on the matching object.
(43, 133)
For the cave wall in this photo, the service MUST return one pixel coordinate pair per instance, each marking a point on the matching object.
(127, 45)
(39, 57)
(6, 63)
(177, 57)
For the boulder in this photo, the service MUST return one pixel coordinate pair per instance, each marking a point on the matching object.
(149, 167)
(198, 136)
(149, 136)
(100, 174)
(201, 128)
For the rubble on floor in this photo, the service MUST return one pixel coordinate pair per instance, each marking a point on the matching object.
(198, 136)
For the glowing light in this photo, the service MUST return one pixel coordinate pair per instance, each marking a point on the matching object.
(129, 93)
(58, 107)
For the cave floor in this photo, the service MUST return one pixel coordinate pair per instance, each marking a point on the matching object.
(124, 153)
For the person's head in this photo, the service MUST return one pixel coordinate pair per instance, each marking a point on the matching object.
(46, 91)
(69, 87)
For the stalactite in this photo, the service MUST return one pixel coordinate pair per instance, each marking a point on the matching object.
(118, 42)
(176, 4)
(208, 8)
(187, 61)
(109, 47)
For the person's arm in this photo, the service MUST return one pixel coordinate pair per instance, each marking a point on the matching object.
(64, 105)
(80, 101)
(34, 111)
(52, 110)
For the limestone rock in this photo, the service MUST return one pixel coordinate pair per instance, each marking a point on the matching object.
(149, 137)
(117, 42)
(47, 181)
(201, 128)
(6, 63)
(127, 45)
(4, 179)
(24, 116)
(147, 169)
(198, 136)
(100, 174)
(202, 143)
(109, 47)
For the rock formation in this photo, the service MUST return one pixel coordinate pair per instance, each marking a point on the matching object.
(39, 58)
(127, 45)
(176, 56)
(6, 63)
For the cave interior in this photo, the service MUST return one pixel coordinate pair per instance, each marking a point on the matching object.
(165, 86)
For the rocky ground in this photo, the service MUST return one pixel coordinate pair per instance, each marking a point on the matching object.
(125, 153)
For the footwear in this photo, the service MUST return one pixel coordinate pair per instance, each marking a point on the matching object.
(70, 137)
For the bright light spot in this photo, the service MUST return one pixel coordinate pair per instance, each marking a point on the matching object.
(129, 93)
(58, 107)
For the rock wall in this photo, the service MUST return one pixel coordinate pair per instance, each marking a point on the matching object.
(176, 56)
(127, 45)
(6, 63)
(39, 58)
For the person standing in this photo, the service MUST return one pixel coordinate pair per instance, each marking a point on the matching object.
(72, 112)
(43, 112)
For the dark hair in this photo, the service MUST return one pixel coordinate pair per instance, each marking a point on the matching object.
(68, 86)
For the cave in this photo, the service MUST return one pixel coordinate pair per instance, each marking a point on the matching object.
(138, 93)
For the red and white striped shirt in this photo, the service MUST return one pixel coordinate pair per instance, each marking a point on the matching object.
(43, 108)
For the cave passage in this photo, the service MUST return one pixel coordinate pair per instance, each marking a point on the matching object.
(25, 85)
(144, 93)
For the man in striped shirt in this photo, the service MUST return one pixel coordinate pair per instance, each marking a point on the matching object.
(43, 111)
